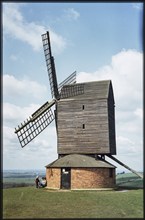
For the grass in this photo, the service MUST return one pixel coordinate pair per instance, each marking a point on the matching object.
(29, 202)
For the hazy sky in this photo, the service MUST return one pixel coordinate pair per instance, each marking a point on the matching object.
(100, 41)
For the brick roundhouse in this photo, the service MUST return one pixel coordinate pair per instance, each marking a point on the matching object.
(80, 172)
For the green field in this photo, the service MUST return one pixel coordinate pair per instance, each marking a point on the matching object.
(129, 181)
(126, 201)
(29, 202)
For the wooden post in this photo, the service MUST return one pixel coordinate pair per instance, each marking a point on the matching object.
(122, 164)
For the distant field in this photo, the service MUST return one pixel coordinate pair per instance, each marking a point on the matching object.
(21, 178)
(127, 180)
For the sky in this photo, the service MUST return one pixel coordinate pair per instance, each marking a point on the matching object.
(100, 41)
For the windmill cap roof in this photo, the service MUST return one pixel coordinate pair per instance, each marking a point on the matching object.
(99, 89)
(77, 160)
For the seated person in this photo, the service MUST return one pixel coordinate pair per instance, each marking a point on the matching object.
(43, 182)
(37, 181)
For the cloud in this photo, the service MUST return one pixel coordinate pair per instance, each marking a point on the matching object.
(126, 73)
(34, 154)
(58, 42)
(139, 112)
(17, 90)
(71, 14)
(13, 113)
(8, 136)
(16, 26)
(13, 57)
(124, 141)
(24, 87)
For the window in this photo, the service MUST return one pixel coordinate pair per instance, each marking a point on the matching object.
(83, 107)
(83, 126)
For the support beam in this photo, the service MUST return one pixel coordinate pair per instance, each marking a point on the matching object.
(122, 164)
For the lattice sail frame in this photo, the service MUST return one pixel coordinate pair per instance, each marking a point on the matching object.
(35, 124)
(69, 80)
(72, 90)
(50, 65)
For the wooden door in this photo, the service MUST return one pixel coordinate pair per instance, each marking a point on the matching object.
(66, 178)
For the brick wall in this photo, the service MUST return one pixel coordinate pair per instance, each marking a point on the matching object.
(83, 178)
(53, 177)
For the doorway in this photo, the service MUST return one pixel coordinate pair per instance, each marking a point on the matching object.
(66, 178)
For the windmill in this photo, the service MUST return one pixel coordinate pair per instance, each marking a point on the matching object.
(84, 115)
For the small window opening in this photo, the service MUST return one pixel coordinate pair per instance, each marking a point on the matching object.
(83, 107)
(83, 126)
(65, 170)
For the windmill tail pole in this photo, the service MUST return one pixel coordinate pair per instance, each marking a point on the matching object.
(122, 164)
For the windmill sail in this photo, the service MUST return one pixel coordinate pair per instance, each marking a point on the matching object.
(69, 80)
(68, 88)
(50, 65)
(68, 91)
(35, 124)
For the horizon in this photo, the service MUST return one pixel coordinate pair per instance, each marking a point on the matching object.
(117, 171)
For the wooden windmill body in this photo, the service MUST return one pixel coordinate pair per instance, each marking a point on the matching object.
(85, 124)
(86, 121)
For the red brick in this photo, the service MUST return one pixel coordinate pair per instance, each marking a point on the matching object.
(82, 178)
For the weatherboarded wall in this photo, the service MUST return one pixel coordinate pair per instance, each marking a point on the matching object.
(83, 178)
(86, 122)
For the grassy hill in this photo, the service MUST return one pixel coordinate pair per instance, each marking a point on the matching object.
(29, 202)
(129, 181)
